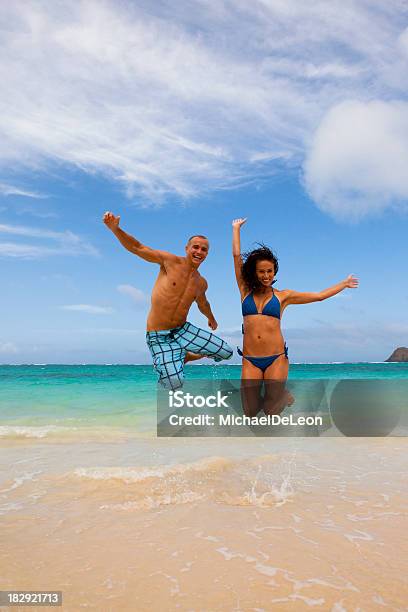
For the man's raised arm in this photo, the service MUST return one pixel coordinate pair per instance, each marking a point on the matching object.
(131, 244)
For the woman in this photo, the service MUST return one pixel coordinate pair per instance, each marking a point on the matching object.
(265, 355)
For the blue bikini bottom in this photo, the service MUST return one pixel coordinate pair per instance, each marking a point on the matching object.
(263, 362)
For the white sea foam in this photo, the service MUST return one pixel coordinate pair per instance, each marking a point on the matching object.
(17, 482)
(137, 474)
(17, 431)
(10, 508)
(149, 502)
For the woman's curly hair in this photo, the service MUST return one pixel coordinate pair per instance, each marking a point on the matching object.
(249, 265)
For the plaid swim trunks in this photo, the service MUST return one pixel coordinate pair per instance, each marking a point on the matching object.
(169, 347)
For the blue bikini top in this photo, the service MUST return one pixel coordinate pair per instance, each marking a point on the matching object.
(271, 308)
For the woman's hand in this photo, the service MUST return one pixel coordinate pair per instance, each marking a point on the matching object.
(238, 222)
(351, 282)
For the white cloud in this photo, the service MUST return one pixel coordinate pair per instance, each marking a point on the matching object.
(136, 294)
(26, 251)
(403, 41)
(8, 347)
(359, 158)
(63, 243)
(23, 211)
(8, 190)
(177, 99)
(339, 336)
(89, 308)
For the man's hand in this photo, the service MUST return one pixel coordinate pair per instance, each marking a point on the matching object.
(238, 222)
(111, 221)
(351, 282)
(212, 323)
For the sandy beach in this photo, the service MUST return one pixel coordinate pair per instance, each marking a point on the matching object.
(207, 524)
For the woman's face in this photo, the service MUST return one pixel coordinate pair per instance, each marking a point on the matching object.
(265, 272)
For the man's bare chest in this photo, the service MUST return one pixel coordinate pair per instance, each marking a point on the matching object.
(178, 282)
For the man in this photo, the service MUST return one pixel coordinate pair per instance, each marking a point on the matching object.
(172, 340)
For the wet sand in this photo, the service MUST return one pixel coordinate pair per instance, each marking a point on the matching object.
(208, 524)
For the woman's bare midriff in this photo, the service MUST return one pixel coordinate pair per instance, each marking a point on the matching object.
(262, 336)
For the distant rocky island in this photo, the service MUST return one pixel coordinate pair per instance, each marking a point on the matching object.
(400, 354)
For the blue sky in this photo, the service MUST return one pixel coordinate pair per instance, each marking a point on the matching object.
(160, 115)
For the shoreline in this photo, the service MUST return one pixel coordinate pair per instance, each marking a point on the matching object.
(279, 521)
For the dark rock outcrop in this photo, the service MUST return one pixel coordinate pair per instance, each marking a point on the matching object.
(400, 354)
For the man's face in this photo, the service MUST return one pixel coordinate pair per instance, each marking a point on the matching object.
(197, 250)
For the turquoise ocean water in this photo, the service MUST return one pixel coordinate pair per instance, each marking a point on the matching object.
(41, 398)
(135, 515)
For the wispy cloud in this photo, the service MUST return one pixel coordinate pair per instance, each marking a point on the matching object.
(89, 308)
(8, 190)
(178, 99)
(137, 295)
(341, 338)
(26, 251)
(33, 211)
(8, 347)
(62, 243)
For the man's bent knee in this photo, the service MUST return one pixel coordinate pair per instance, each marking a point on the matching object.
(225, 352)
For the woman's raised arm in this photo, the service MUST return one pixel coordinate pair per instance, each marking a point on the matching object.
(236, 253)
